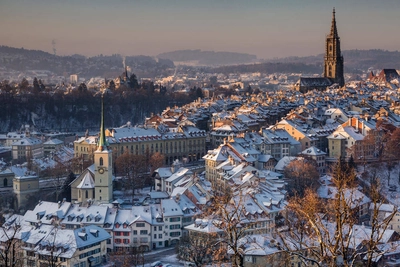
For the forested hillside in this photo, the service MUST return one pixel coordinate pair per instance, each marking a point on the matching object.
(81, 111)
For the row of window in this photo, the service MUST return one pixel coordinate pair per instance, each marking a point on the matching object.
(142, 232)
(89, 253)
(121, 233)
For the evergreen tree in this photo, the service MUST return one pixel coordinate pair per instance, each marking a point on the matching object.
(36, 86)
(24, 84)
(133, 81)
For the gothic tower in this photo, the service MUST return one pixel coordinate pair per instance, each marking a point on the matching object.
(333, 62)
(103, 165)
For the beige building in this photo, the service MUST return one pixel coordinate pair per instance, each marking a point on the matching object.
(186, 143)
(347, 141)
(298, 134)
(25, 148)
(25, 186)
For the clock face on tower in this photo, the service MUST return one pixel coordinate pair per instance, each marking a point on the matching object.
(101, 170)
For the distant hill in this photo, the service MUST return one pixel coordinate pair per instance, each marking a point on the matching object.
(354, 60)
(20, 59)
(208, 58)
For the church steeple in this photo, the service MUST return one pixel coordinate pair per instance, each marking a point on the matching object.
(334, 32)
(333, 62)
(102, 144)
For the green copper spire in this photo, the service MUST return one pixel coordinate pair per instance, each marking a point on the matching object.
(103, 144)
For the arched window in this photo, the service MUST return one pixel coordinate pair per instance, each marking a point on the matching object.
(101, 161)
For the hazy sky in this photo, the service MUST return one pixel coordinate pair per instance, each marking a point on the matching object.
(267, 28)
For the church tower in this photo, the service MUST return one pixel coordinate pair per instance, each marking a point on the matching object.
(103, 171)
(333, 62)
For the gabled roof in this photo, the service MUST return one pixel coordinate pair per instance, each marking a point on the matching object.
(45, 211)
(313, 151)
(87, 181)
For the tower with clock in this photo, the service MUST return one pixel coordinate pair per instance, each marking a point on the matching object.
(95, 184)
(103, 166)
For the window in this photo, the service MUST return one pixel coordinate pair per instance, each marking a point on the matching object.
(175, 234)
(143, 232)
(139, 224)
(175, 226)
(101, 161)
(135, 232)
(159, 235)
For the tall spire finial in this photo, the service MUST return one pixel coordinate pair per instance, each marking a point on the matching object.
(102, 144)
(333, 26)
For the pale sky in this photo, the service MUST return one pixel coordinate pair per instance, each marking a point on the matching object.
(266, 28)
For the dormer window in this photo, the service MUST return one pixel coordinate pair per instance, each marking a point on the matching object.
(94, 232)
(40, 215)
(83, 236)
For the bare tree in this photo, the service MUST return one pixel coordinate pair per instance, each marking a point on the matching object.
(133, 168)
(127, 258)
(302, 174)
(10, 247)
(232, 218)
(200, 248)
(327, 230)
(156, 161)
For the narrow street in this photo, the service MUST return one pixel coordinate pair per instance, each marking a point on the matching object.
(164, 255)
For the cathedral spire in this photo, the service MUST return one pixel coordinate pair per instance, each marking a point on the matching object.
(333, 26)
(102, 144)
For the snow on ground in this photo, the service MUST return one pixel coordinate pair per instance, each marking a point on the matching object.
(389, 180)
